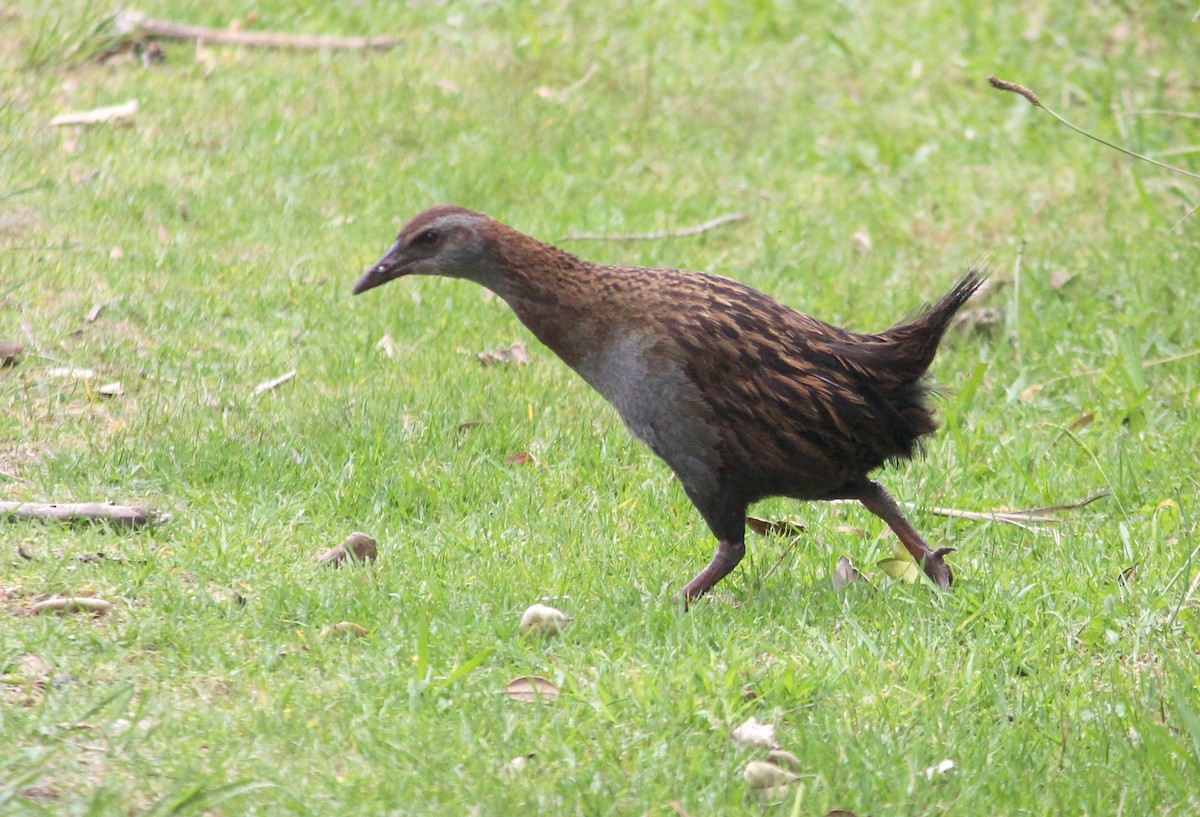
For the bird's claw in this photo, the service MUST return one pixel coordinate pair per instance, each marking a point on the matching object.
(937, 570)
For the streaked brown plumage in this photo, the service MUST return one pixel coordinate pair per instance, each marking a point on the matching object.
(743, 397)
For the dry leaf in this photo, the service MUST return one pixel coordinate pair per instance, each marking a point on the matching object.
(517, 765)
(940, 769)
(785, 760)
(768, 779)
(358, 547)
(387, 345)
(781, 527)
(531, 689)
(95, 312)
(96, 607)
(753, 733)
(112, 113)
(10, 354)
(515, 354)
(346, 628)
(844, 574)
(981, 320)
(1128, 575)
(677, 807)
(543, 620)
(114, 389)
(32, 666)
(519, 458)
(1083, 421)
(1059, 279)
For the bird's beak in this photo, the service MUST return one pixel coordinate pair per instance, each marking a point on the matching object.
(390, 266)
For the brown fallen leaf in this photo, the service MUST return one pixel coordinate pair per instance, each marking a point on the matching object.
(540, 619)
(346, 628)
(753, 733)
(10, 354)
(677, 807)
(517, 765)
(531, 689)
(515, 354)
(1059, 279)
(96, 607)
(768, 779)
(845, 573)
(781, 527)
(981, 320)
(1083, 421)
(358, 547)
(519, 458)
(387, 345)
(786, 760)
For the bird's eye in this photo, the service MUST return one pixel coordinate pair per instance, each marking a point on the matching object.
(427, 238)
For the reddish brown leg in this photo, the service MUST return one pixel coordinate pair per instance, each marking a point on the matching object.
(723, 561)
(878, 501)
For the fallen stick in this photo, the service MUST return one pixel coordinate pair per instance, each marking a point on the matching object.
(134, 25)
(119, 515)
(112, 113)
(681, 233)
(1021, 519)
(271, 385)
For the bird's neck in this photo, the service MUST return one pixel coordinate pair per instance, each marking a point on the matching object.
(556, 295)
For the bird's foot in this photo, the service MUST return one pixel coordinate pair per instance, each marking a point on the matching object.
(937, 570)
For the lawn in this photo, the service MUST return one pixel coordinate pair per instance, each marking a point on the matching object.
(209, 245)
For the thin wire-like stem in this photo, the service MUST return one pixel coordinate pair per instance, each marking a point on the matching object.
(1035, 100)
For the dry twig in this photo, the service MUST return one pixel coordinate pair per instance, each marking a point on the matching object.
(110, 114)
(658, 236)
(270, 385)
(87, 512)
(134, 25)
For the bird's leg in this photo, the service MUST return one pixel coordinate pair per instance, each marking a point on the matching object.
(728, 554)
(878, 501)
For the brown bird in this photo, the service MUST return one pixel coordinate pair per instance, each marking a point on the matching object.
(743, 397)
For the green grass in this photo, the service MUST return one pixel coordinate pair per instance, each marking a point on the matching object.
(253, 188)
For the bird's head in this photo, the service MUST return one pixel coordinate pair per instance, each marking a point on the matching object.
(448, 241)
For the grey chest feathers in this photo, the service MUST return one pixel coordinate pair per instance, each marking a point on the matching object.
(660, 405)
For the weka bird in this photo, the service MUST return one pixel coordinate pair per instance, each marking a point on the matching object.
(742, 397)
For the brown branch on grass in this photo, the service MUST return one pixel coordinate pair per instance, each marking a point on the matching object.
(658, 236)
(1029, 392)
(1034, 100)
(271, 385)
(110, 114)
(134, 25)
(1018, 518)
(126, 516)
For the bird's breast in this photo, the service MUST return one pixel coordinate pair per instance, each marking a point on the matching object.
(658, 402)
